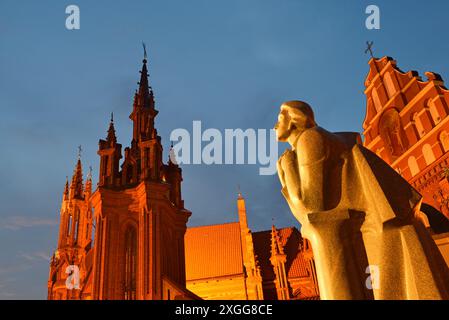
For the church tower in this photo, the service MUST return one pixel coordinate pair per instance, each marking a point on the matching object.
(252, 269)
(74, 242)
(407, 125)
(139, 213)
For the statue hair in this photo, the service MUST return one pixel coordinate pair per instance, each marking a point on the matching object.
(301, 114)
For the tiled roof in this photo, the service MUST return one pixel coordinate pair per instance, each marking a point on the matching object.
(291, 241)
(213, 251)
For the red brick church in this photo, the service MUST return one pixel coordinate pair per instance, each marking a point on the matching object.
(142, 249)
(139, 219)
(407, 125)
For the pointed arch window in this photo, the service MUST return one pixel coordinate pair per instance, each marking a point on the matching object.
(418, 125)
(76, 231)
(433, 111)
(69, 225)
(130, 263)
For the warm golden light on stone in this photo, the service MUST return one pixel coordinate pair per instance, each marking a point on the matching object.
(358, 213)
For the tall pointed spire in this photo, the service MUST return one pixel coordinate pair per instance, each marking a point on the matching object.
(143, 83)
(88, 188)
(66, 188)
(111, 138)
(145, 92)
(144, 111)
(76, 185)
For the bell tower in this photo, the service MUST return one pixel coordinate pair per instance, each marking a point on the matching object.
(75, 239)
(139, 213)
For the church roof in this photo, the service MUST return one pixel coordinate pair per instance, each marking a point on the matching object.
(213, 251)
(291, 242)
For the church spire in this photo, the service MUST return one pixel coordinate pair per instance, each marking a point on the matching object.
(145, 92)
(76, 185)
(278, 260)
(111, 138)
(144, 111)
(66, 189)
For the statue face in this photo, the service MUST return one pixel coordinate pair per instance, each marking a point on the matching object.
(282, 127)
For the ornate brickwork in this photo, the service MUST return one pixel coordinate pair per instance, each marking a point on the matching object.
(139, 218)
(407, 125)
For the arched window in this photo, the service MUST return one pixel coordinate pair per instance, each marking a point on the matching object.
(444, 139)
(413, 166)
(76, 231)
(130, 263)
(418, 125)
(69, 225)
(433, 111)
(428, 154)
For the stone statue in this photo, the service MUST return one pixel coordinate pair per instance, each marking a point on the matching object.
(358, 214)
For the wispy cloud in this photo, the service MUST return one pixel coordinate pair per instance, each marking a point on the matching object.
(20, 222)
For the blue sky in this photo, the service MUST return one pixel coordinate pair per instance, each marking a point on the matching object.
(228, 63)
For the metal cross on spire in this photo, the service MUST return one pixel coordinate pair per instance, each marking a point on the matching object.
(80, 149)
(369, 48)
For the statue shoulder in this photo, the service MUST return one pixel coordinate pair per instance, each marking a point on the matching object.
(313, 146)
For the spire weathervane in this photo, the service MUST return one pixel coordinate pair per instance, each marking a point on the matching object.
(80, 149)
(144, 51)
(369, 48)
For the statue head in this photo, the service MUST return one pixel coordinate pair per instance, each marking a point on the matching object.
(294, 118)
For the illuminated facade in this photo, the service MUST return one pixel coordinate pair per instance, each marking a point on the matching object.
(407, 125)
(141, 248)
(229, 261)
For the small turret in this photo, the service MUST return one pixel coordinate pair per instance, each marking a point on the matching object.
(66, 189)
(278, 260)
(76, 185)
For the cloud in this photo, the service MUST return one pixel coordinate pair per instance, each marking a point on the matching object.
(35, 256)
(20, 222)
